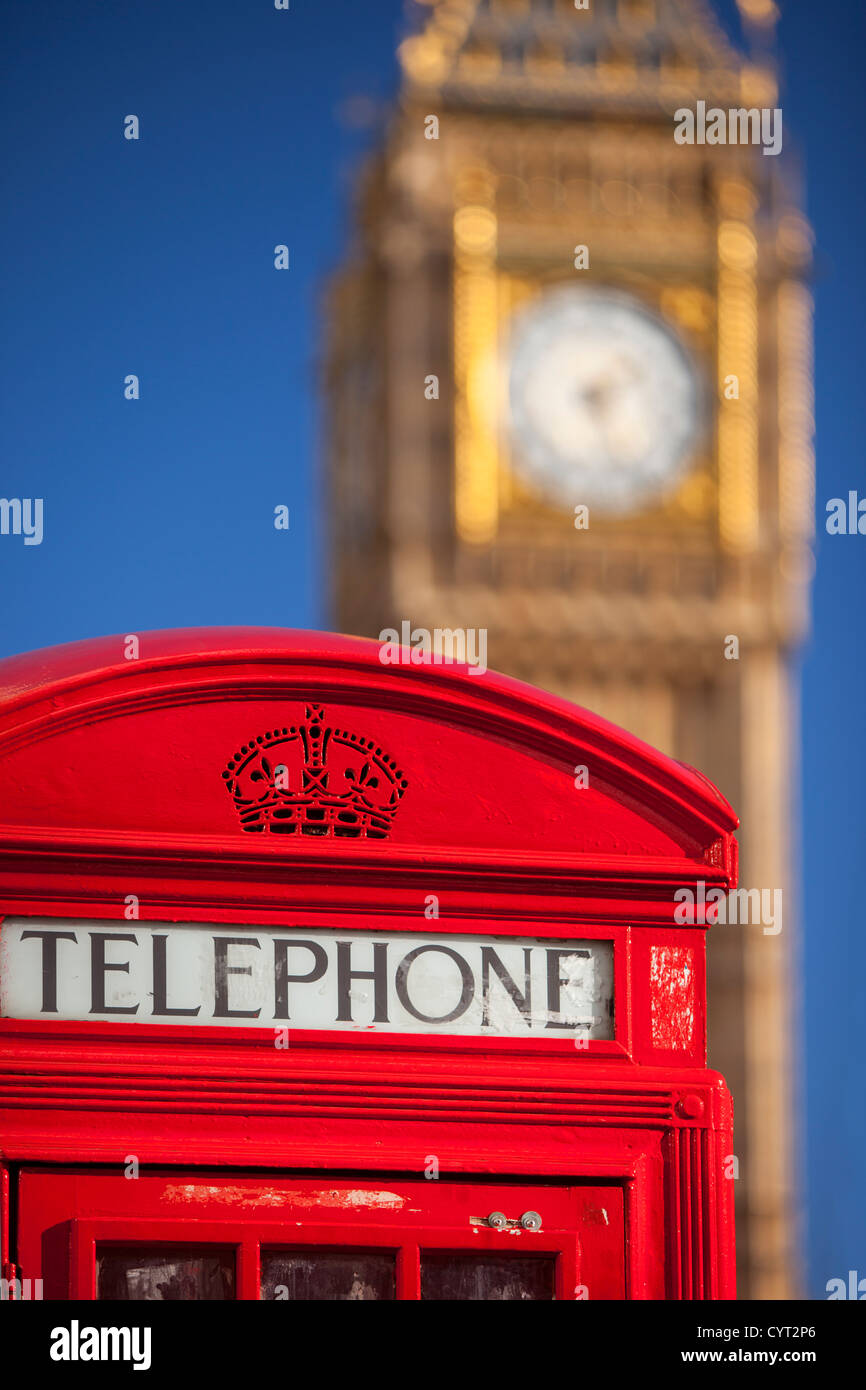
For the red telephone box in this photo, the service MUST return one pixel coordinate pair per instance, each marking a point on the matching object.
(328, 978)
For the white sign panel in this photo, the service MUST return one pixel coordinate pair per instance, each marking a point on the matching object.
(279, 977)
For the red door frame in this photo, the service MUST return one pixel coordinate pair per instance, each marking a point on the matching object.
(641, 1108)
(583, 1227)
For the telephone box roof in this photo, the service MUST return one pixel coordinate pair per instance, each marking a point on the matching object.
(494, 769)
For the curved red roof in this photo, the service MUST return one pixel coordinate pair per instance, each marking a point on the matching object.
(52, 673)
(120, 766)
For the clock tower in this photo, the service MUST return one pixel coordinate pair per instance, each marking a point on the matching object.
(569, 401)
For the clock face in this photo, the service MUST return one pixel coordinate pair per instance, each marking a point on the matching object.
(605, 404)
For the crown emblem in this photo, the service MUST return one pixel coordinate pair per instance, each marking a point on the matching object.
(311, 779)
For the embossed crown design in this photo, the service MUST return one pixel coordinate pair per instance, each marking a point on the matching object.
(311, 779)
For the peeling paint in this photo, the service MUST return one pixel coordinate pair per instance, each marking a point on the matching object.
(672, 989)
(261, 1196)
(585, 998)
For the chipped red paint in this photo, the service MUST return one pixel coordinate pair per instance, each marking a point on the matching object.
(672, 986)
(112, 785)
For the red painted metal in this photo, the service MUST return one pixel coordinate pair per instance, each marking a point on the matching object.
(69, 1214)
(111, 785)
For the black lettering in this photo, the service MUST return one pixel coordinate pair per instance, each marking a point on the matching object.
(555, 983)
(522, 1002)
(222, 970)
(282, 978)
(402, 984)
(379, 976)
(49, 941)
(160, 986)
(98, 968)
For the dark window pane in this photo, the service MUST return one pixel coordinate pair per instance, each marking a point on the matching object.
(164, 1273)
(327, 1274)
(488, 1276)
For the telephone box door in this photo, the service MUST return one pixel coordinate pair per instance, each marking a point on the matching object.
(184, 1236)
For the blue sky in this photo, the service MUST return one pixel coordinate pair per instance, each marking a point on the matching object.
(156, 258)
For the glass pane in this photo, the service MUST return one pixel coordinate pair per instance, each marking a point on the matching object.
(164, 1273)
(488, 1276)
(336, 1275)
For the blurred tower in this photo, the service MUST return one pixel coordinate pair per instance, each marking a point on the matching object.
(552, 305)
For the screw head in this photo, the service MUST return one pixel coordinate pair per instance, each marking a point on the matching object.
(531, 1221)
(691, 1107)
(498, 1220)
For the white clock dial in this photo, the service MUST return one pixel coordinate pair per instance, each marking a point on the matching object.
(605, 404)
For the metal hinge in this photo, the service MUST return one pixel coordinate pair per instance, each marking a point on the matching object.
(498, 1221)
